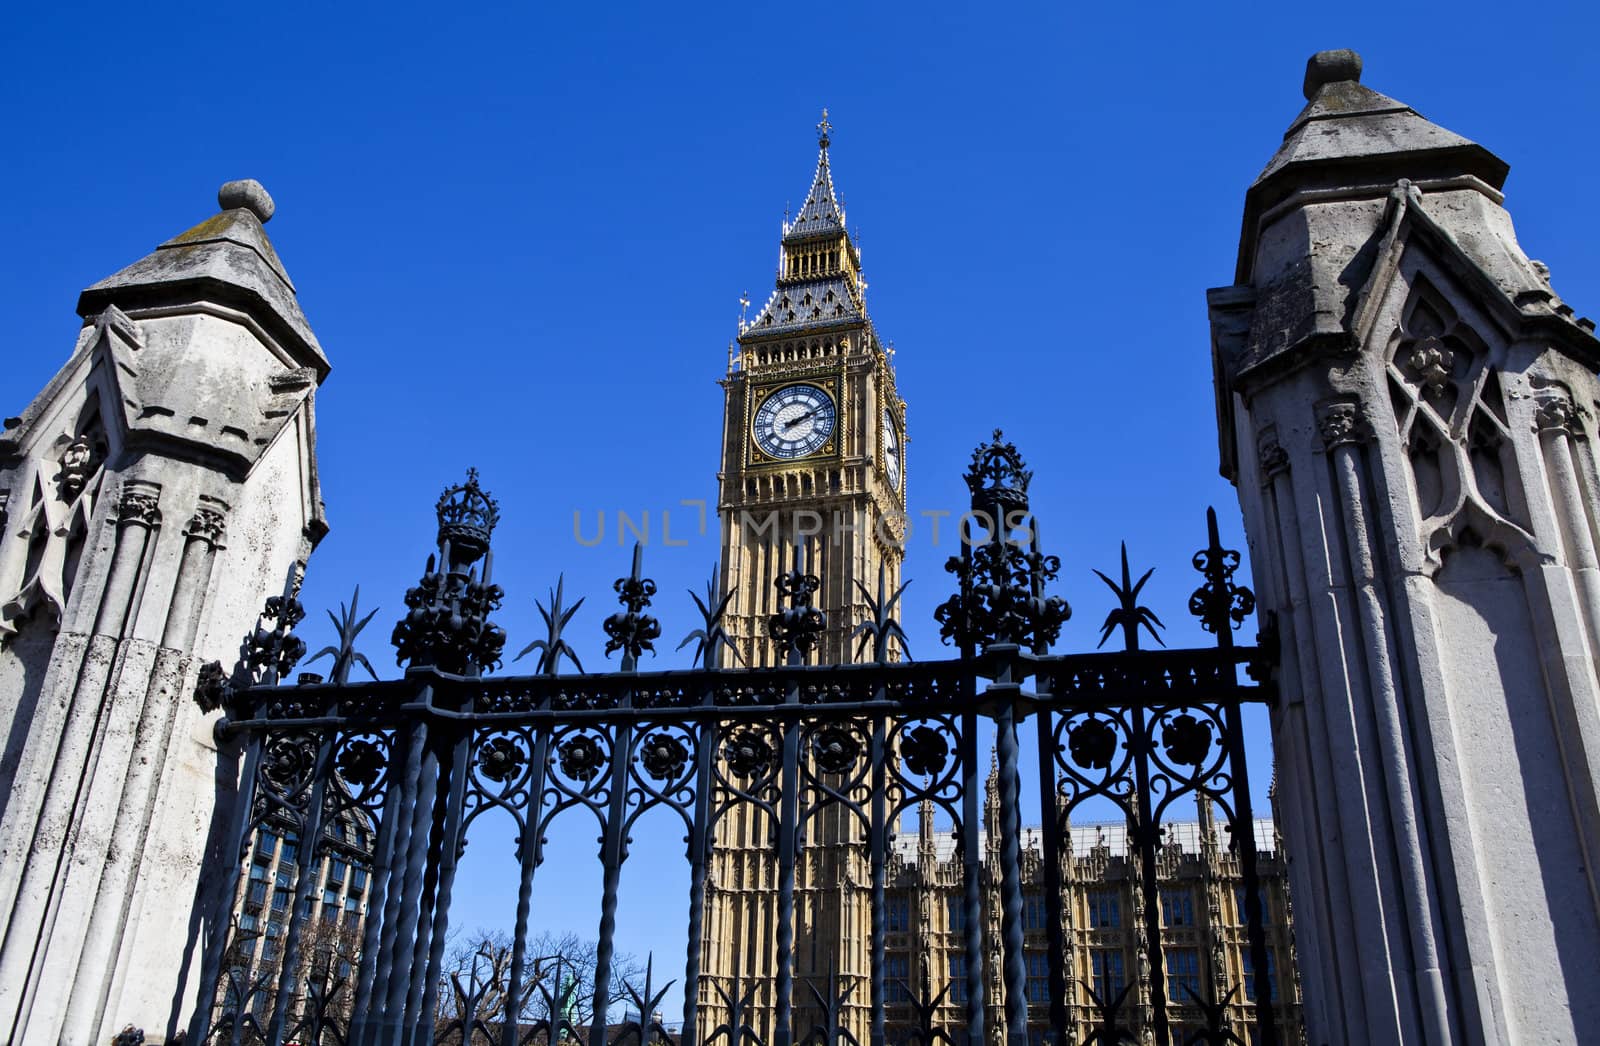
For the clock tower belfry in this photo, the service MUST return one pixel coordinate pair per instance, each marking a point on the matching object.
(813, 437)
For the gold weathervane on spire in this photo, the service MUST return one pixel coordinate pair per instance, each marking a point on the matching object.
(823, 127)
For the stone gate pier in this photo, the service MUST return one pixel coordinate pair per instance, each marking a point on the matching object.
(1407, 409)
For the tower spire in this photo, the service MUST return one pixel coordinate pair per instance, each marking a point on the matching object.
(822, 213)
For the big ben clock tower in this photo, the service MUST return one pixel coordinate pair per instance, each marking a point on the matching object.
(813, 448)
(813, 437)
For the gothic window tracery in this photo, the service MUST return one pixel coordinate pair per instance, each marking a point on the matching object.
(53, 521)
(1450, 408)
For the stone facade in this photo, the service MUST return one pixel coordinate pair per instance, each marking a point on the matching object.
(159, 488)
(1406, 407)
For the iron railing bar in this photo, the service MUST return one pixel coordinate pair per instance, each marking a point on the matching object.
(699, 852)
(1024, 702)
(1149, 836)
(972, 885)
(529, 855)
(310, 830)
(1244, 835)
(460, 772)
(878, 844)
(421, 782)
(1050, 827)
(1021, 663)
(788, 829)
(613, 852)
(377, 897)
(438, 792)
(1013, 966)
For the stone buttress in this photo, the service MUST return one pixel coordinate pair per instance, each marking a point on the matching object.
(1408, 409)
(152, 496)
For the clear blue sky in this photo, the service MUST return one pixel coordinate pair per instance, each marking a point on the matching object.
(522, 237)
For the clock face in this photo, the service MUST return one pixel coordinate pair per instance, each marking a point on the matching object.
(795, 421)
(891, 450)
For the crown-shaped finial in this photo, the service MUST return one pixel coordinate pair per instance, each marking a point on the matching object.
(997, 473)
(467, 516)
(824, 128)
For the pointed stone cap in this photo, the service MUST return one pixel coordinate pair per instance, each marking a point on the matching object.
(226, 259)
(1349, 135)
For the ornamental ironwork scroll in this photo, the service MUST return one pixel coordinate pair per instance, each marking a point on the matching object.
(412, 766)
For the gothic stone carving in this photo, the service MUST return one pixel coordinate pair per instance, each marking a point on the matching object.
(1342, 423)
(139, 506)
(207, 525)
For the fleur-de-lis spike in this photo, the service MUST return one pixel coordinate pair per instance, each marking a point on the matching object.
(1129, 615)
(883, 625)
(347, 628)
(633, 631)
(711, 634)
(552, 648)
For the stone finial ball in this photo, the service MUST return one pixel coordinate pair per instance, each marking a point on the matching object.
(1331, 67)
(249, 194)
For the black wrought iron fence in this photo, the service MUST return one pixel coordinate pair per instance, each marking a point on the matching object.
(417, 761)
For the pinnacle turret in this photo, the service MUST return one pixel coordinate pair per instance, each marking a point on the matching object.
(821, 214)
(819, 267)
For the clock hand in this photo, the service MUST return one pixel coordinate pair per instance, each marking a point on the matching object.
(795, 421)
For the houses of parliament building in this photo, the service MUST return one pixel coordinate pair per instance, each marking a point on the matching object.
(814, 449)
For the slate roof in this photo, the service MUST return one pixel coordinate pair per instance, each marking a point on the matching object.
(828, 299)
(821, 213)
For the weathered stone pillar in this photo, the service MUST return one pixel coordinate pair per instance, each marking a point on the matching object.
(1405, 406)
(187, 398)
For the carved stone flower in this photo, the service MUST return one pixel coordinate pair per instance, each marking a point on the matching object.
(288, 762)
(747, 753)
(836, 749)
(360, 763)
(1431, 361)
(581, 757)
(663, 756)
(925, 751)
(501, 758)
(1092, 744)
(1186, 739)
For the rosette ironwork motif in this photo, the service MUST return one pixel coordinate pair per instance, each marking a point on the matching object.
(581, 757)
(360, 763)
(663, 756)
(501, 758)
(925, 750)
(1092, 743)
(287, 762)
(747, 753)
(836, 749)
(1187, 740)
